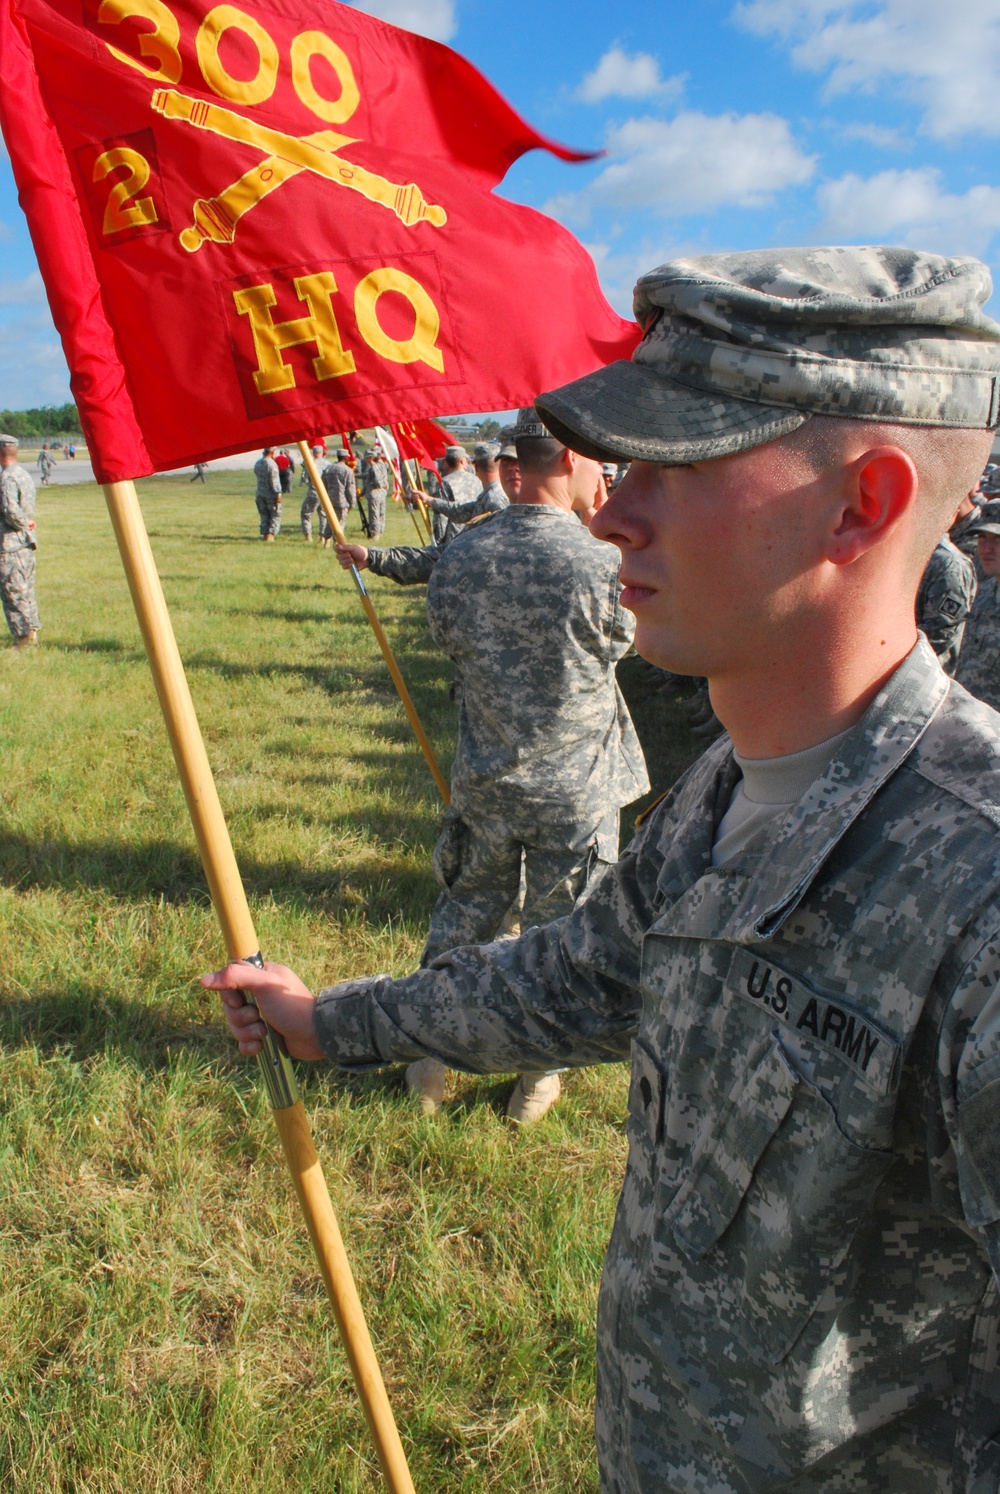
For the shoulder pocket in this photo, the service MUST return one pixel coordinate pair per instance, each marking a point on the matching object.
(771, 1206)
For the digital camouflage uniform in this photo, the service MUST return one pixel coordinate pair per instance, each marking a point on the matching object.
(268, 497)
(461, 486)
(979, 665)
(377, 480)
(944, 598)
(18, 543)
(527, 608)
(338, 479)
(962, 534)
(310, 502)
(797, 1294)
(410, 564)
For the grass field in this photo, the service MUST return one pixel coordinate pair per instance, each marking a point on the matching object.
(161, 1324)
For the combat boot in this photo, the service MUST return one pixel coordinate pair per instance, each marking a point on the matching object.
(425, 1084)
(27, 640)
(269, 539)
(534, 1096)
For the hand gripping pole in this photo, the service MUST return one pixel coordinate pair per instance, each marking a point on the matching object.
(226, 887)
(383, 642)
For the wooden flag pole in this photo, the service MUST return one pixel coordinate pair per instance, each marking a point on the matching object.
(418, 489)
(226, 887)
(383, 642)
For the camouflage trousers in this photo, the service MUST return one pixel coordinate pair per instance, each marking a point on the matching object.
(17, 590)
(309, 507)
(479, 865)
(310, 504)
(376, 512)
(270, 514)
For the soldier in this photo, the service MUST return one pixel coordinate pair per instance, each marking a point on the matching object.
(18, 544)
(489, 497)
(979, 666)
(338, 479)
(377, 477)
(310, 502)
(962, 530)
(507, 467)
(526, 606)
(458, 485)
(609, 471)
(802, 943)
(46, 465)
(945, 595)
(268, 497)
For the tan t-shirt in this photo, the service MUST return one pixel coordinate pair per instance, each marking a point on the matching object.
(768, 789)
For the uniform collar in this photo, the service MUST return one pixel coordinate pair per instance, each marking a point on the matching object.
(750, 905)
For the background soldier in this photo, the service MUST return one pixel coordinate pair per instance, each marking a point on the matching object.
(18, 543)
(489, 498)
(458, 485)
(979, 665)
(377, 479)
(310, 502)
(800, 1291)
(46, 463)
(268, 497)
(944, 599)
(339, 481)
(508, 470)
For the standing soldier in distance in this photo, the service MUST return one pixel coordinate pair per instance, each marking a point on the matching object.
(800, 1291)
(268, 496)
(377, 478)
(17, 546)
(46, 464)
(338, 479)
(490, 498)
(310, 502)
(458, 485)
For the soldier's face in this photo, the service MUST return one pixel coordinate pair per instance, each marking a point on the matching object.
(718, 558)
(988, 548)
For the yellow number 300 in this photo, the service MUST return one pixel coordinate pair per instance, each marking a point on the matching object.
(161, 47)
(117, 216)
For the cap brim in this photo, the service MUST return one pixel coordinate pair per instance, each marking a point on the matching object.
(978, 529)
(629, 412)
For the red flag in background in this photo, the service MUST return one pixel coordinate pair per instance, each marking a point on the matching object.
(423, 439)
(259, 220)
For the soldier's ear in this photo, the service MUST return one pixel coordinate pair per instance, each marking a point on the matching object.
(877, 494)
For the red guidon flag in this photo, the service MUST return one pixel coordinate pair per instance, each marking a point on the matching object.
(423, 439)
(258, 220)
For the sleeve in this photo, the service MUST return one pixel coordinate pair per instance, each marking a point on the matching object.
(15, 512)
(350, 488)
(275, 477)
(406, 564)
(567, 993)
(459, 513)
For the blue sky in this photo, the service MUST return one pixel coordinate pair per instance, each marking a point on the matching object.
(726, 125)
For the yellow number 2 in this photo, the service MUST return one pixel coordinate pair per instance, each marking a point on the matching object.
(117, 216)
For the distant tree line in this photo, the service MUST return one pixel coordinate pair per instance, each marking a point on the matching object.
(50, 420)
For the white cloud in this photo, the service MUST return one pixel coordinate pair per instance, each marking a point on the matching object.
(38, 375)
(26, 292)
(618, 75)
(877, 135)
(946, 58)
(434, 18)
(910, 207)
(693, 163)
(619, 268)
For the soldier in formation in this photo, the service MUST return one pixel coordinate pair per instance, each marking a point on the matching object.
(18, 543)
(268, 496)
(339, 481)
(508, 471)
(800, 949)
(310, 502)
(377, 479)
(458, 485)
(526, 606)
(944, 599)
(979, 665)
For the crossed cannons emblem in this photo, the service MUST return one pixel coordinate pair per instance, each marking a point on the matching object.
(215, 218)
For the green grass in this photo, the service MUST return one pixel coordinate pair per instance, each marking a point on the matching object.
(161, 1324)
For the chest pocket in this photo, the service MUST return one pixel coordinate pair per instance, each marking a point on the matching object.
(768, 1210)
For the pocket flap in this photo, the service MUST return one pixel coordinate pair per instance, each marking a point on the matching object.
(708, 1202)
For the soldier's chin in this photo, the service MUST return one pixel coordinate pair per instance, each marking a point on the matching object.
(660, 651)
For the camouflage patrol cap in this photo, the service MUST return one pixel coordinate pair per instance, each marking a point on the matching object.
(506, 443)
(487, 452)
(988, 519)
(742, 348)
(8, 441)
(455, 452)
(529, 426)
(341, 453)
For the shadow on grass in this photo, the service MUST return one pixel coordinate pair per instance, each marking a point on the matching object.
(162, 869)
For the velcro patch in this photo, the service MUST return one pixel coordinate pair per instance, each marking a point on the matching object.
(837, 1026)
